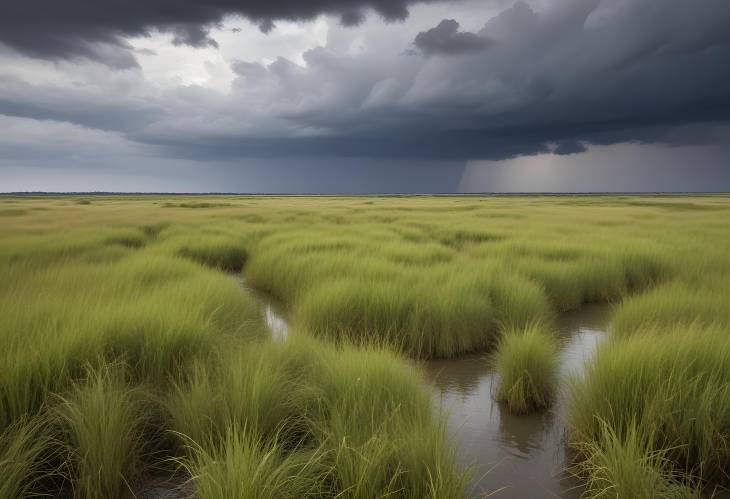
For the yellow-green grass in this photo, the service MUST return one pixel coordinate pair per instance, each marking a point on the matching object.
(102, 421)
(627, 466)
(29, 455)
(348, 423)
(668, 389)
(677, 303)
(88, 283)
(243, 466)
(154, 312)
(527, 363)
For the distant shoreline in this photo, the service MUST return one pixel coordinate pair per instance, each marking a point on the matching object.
(371, 194)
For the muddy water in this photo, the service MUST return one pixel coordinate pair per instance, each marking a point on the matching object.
(518, 456)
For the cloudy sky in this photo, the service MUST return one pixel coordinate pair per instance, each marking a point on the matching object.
(365, 95)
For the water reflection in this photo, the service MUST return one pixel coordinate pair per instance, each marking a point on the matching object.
(271, 311)
(519, 456)
(523, 436)
(275, 322)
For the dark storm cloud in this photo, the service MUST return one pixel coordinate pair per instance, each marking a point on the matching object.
(447, 39)
(78, 28)
(567, 147)
(575, 72)
(191, 34)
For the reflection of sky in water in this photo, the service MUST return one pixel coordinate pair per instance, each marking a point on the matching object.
(276, 323)
(525, 454)
(271, 311)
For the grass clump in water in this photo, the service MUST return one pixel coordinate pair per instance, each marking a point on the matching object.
(438, 322)
(527, 362)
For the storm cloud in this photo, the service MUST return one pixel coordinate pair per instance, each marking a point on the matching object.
(96, 28)
(447, 39)
(578, 71)
(457, 81)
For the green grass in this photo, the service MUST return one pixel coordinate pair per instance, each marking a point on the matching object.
(249, 389)
(366, 283)
(360, 418)
(217, 252)
(102, 421)
(82, 313)
(674, 385)
(675, 304)
(527, 363)
(626, 466)
(242, 466)
(443, 315)
(27, 449)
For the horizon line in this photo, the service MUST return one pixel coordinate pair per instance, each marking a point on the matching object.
(353, 194)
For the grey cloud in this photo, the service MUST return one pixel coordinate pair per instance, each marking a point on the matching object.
(72, 28)
(568, 147)
(447, 39)
(86, 106)
(576, 72)
(193, 35)
(27, 140)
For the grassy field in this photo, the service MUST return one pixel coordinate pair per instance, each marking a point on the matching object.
(129, 350)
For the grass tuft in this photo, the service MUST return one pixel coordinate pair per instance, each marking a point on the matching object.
(527, 363)
(616, 467)
(102, 421)
(673, 384)
(244, 466)
(27, 451)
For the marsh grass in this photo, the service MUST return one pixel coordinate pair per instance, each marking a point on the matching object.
(442, 316)
(675, 304)
(83, 287)
(627, 466)
(527, 362)
(12, 212)
(674, 385)
(132, 239)
(443, 298)
(27, 456)
(247, 390)
(217, 252)
(102, 421)
(243, 466)
(83, 314)
(358, 421)
(192, 204)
